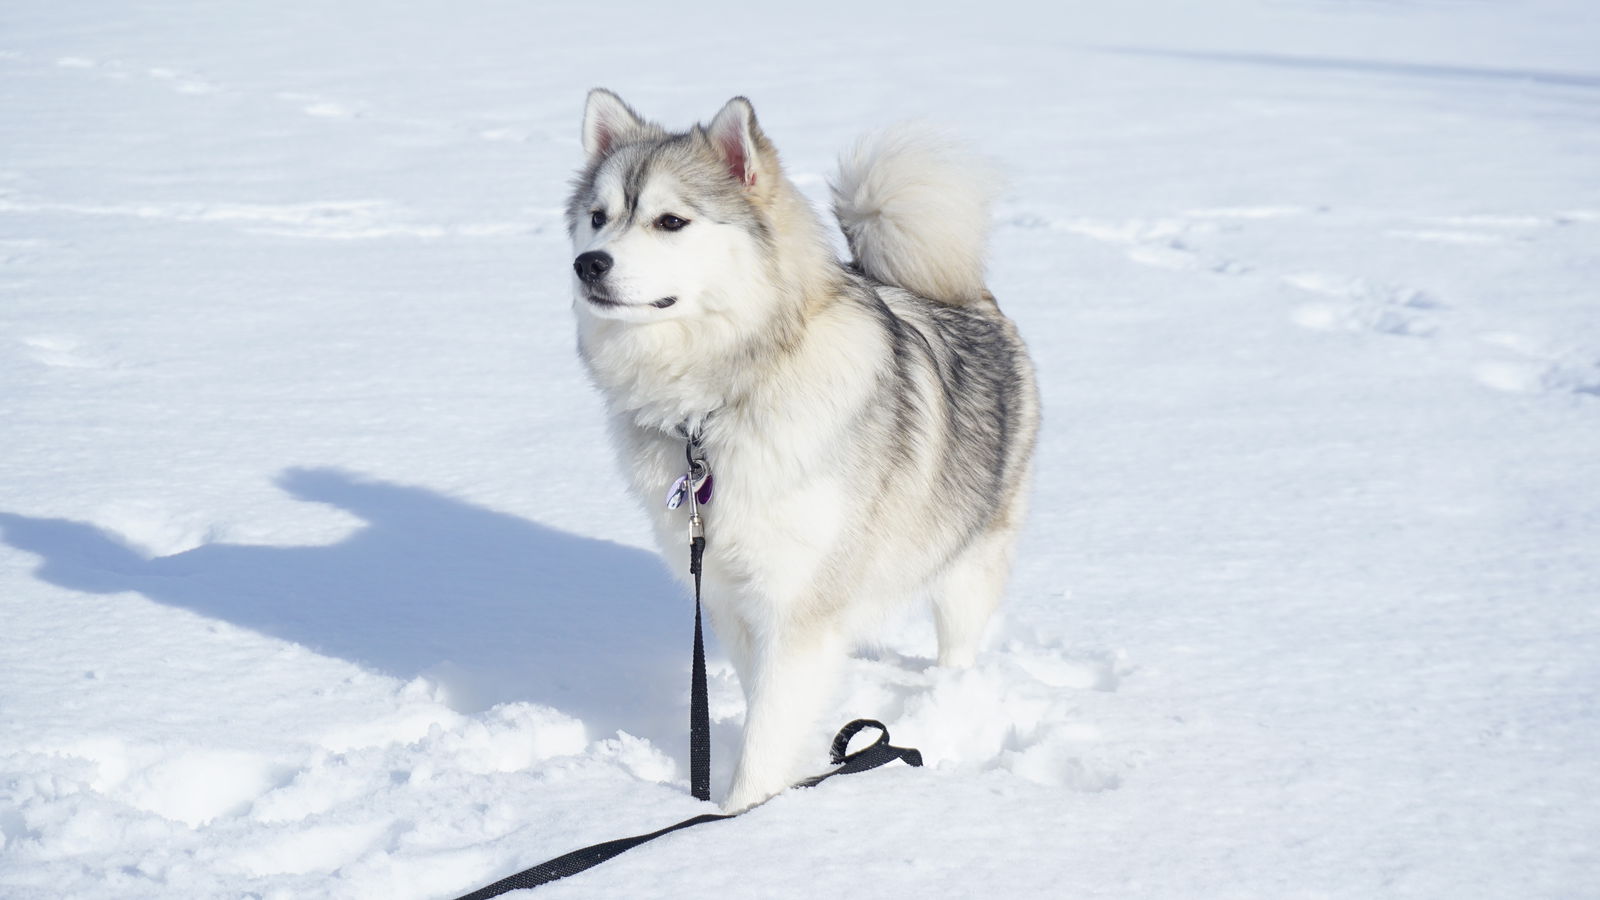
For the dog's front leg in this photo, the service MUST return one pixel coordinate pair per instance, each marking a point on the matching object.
(790, 676)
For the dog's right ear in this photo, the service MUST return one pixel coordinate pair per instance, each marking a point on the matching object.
(607, 122)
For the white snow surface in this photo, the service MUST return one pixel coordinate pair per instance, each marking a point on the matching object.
(317, 579)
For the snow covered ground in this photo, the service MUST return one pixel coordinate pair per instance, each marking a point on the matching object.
(316, 579)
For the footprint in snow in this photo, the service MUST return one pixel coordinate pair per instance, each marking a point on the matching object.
(1357, 304)
(188, 784)
(1523, 365)
(1025, 708)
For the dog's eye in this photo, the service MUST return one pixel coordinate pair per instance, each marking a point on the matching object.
(670, 222)
(597, 218)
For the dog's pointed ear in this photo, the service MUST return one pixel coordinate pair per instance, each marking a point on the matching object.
(737, 138)
(607, 122)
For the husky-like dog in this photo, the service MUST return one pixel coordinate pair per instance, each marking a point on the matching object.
(869, 425)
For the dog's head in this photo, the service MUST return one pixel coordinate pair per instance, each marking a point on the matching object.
(670, 226)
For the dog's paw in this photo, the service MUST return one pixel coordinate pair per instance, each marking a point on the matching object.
(745, 798)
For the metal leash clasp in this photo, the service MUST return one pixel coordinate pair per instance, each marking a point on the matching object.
(697, 485)
(694, 485)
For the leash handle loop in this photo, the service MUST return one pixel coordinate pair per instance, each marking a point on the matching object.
(879, 752)
(841, 741)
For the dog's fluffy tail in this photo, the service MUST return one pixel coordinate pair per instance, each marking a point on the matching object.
(914, 207)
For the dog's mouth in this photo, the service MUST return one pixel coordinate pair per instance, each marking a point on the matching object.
(604, 302)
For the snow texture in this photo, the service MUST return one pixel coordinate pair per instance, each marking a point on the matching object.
(316, 580)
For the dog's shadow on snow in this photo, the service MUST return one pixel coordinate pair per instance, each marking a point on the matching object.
(495, 607)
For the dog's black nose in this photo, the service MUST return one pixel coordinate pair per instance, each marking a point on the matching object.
(592, 266)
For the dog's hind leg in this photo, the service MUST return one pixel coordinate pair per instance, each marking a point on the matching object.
(788, 679)
(968, 593)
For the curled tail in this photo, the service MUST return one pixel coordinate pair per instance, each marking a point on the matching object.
(914, 207)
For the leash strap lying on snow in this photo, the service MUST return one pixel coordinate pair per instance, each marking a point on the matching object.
(879, 753)
(578, 860)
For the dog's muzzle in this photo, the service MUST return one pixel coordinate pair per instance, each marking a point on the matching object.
(592, 266)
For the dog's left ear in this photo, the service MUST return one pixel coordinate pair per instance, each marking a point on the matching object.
(737, 138)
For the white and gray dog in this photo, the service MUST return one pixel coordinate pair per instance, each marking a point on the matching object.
(869, 424)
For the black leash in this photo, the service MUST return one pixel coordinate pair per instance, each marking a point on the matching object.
(578, 860)
(696, 488)
(879, 753)
(699, 484)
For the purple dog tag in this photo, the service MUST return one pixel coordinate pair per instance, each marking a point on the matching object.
(678, 492)
(702, 491)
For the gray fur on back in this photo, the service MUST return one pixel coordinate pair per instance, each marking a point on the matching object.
(961, 386)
